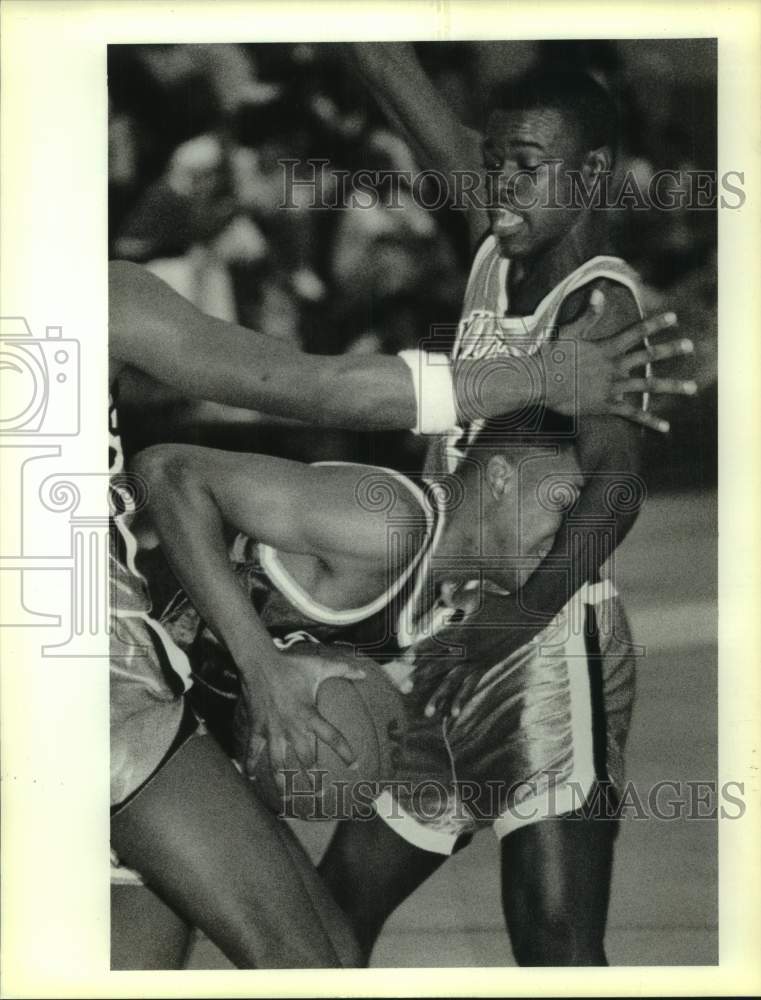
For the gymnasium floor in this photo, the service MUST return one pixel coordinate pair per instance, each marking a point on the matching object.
(664, 897)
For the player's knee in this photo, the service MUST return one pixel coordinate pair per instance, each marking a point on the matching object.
(255, 933)
(543, 941)
(365, 916)
(547, 928)
(365, 927)
(352, 953)
(548, 935)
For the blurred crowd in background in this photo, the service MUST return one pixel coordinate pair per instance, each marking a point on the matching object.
(196, 190)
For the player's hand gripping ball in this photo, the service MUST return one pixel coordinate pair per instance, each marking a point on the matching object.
(368, 712)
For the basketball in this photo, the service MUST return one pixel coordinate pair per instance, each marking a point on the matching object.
(370, 714)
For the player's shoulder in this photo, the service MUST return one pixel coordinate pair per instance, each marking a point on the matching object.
(621, 304)
(376, 491)
(353, 511)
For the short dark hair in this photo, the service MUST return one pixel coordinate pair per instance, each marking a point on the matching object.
(575, 94)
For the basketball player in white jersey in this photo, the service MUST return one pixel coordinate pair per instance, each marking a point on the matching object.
(165, 770)
(543, 257)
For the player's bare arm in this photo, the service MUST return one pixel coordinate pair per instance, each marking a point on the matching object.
(339, 550)
(157, 331)
(397, 81)
(154, 329)
(441, 142)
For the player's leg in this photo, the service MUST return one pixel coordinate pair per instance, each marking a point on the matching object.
(555, 889)
(145, 932)
(204, 842)
(192, 826)
(571, 729)
(370, 870)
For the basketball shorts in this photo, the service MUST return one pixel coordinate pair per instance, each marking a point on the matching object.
(148, 678)
(542, 728)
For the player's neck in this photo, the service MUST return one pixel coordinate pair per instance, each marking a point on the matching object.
(465, 537)
(531, 278)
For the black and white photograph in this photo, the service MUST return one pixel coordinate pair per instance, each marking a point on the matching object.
(414, 386)
(400, 592)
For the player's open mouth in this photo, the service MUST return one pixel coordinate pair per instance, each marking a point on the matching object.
(505, 222)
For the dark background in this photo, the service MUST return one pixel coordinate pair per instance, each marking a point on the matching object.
(358, 280)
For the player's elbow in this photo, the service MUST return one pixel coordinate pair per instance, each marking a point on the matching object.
(120, 271)
(167, 468)
(131, 309)
(124, 278)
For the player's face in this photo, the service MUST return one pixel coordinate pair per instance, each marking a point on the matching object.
(542, 488)
(529, 156)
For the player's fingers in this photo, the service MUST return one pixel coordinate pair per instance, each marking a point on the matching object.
(305, 748)
(334, 739)
(660, 386)
(633, 335)
(257, 744)
(278, 745)
(596, 307)
(638, 416)
(439, 699)
(348, 671)
(462, 697)
(659, 352)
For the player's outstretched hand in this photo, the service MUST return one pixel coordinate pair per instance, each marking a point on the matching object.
(289, 713)
(602, 370)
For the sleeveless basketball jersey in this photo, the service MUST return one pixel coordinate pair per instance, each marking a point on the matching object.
(381, 626)
(485, 331)
(396, 603)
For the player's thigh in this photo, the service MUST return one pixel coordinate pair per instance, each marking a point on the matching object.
(200, 837)
(370, 869)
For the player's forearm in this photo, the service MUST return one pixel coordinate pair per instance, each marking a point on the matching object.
(553, 585)
(154, 329)
(377, 392)
(586, 542)
(190, 529)
(157, 331)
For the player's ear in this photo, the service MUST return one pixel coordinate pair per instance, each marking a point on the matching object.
(499, 475)
(598, 161)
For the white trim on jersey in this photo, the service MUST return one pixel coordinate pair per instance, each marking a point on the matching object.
(116, 466)
(482, 330)
(305, 603)
(486, 247)
(601, 266)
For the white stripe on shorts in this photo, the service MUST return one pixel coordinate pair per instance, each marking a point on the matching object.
(573, 791)
(405, 825)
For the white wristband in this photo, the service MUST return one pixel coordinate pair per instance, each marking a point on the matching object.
(596, 593)
(434, 391)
